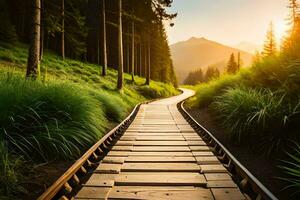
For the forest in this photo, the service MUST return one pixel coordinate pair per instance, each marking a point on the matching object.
(70, 70)
(259, 107)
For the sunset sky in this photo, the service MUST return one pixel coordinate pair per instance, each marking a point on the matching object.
(228, 21)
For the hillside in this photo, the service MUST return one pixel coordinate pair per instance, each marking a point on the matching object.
(199, 53)
(57, 117)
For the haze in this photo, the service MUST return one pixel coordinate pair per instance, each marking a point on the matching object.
(228, 21)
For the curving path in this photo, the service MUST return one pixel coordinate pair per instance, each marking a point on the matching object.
(160, 156)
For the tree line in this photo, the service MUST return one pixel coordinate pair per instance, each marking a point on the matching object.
(127, 35)
(198, 76)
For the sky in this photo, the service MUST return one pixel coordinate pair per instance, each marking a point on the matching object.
(227, 21)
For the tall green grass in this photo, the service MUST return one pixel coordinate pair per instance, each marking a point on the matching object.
(46, 121)
(260, 116)
(291, 167)
(61, 115)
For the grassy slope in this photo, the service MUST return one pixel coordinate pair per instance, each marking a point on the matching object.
(63, 113)
(259, 108)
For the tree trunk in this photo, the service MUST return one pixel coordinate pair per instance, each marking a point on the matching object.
(128, 56)
(33, 63)
(132, 50)
(141, 59)
(145, 59)
(42, 30)
(149, 62)
(104, 68)
(120, 44)
(63, 29)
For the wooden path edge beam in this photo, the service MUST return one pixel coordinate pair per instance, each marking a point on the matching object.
(60, 183)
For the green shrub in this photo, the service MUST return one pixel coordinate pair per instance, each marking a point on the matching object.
(48, 121)
(291, 168)
(7, 56)
(8, 171)
(258, 115)
(205, 93)
(114, 107)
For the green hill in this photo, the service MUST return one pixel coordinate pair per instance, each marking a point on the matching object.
(60, 115)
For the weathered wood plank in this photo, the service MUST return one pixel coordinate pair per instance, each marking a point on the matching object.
(97, 193)
(202, 153)
(166, 193)
(207, 160)
(113, 160)
(108, 168)
(145, 159)
(213, 169)
(161, 148)
(161, 179)
(199, 148)
(152, 143)
(217, 176)
(160, 167)
(227, 194)
(221, 184)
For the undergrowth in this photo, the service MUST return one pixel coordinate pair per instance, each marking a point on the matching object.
(63, 113)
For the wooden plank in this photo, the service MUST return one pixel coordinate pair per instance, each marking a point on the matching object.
(124, 143)
(227, 194)
(113, 160)
(155, 131)
(101, 180)
(196, 143)
(160, 138)
(122, 148)
(193, 138)
(160, 167)
(118, 153)
(127, 138)
(161, 148)
(221, 184)
(202, 153)
(166, 193)
(97, 193)
(207, 160)
(152, 143)
(199, 148)
(213, 169)
(158, 134)
(159, 159)
(180, 154)
(217, 177)
(161, 179)
(108, 168)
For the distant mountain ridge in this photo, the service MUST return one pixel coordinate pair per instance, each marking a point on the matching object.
(198, 53)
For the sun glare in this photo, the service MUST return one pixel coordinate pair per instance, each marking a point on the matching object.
(281, 28)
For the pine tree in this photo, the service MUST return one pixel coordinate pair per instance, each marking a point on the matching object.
(232, 65)
(291, 44)
(7, 30)
(270, 46)
(33, 63)
(211, 73)
(63, 29)
(120, 47)
(239, 61)
(104, 67)
(294, 8)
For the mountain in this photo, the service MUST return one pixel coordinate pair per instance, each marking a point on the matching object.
(198, 53)
(248, 47)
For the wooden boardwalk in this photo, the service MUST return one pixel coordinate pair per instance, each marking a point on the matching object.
(160, 156)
